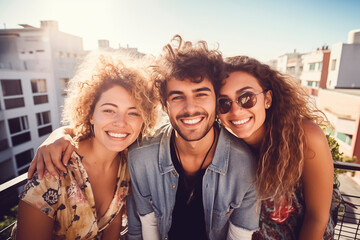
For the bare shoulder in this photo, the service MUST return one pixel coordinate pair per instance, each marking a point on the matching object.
(313, 133)
(316, 142)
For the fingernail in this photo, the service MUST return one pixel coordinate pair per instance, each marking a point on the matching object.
(57, 177)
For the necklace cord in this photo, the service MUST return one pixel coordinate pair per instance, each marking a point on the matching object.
(203, 161)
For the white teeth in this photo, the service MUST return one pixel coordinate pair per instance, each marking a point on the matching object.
(192, 121)
(117, 135)
(241, 121)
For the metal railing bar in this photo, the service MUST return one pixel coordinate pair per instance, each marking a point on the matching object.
(14, 183)
(6, 228)
(347, 166)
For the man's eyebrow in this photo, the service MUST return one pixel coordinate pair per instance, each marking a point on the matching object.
(202, 89)
(174, 92)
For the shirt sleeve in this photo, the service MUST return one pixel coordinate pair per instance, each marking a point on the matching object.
(237, 233)
(134, 224)
(247, 215)
(150, 229)
(141, 205)
(42, 194)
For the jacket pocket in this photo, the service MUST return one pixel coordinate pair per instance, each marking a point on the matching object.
(221, 218)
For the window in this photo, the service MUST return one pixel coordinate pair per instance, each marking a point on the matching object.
(320, 66)
(11, 87)
(64, 84)
(290, 70)
(24, 158)
(311, 66)
(18, 124)
(14, 103)
(44, 130)
(333, 64)
(38, 85)
(43, 118)
(309, 83)
(41, 99)
(346, 138)
(21, 138)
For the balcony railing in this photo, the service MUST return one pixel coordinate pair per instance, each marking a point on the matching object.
(348, 225)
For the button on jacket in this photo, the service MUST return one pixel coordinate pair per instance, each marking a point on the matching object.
(228, 185)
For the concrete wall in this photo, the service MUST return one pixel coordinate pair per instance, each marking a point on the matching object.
(349, 72)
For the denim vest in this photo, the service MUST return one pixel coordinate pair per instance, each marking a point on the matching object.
(228, 185)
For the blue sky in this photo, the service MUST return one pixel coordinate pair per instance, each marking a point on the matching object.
(259, 28)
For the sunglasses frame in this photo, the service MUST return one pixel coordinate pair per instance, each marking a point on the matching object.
(238, 101)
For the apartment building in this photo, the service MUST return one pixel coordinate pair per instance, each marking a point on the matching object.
(35, 65)
(339, 89)
(290, 63)
(344, 65)
(315, 69)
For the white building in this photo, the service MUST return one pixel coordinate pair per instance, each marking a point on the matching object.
(342, 107)
(344, 65)
(290, 63)
(35, 65)
(315, 69)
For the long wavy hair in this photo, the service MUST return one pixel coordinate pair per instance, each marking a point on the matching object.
(281, 155)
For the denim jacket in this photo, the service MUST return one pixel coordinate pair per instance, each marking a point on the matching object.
(228, 185)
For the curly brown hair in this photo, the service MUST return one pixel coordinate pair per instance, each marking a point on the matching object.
(281, 155)
(99, 72)
(184, 60)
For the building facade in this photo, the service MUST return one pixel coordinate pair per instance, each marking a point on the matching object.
(35, 65)
(344, 65)
(315, 70)
(342, 108)
(290, 63)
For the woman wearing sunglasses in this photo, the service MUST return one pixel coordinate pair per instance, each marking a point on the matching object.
(271, 113)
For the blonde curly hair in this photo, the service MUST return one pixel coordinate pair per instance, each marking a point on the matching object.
(99, 72)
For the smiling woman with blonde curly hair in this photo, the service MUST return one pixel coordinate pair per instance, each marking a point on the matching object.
(109, 105)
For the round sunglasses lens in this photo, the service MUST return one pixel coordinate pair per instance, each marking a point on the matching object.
(224, 106)
(247, 100)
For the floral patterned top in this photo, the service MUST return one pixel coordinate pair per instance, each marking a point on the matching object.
(70, 202)
(286, 224)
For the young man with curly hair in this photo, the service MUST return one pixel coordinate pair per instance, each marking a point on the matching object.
(193, 180)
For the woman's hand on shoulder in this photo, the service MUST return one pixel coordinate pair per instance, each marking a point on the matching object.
(53, 154)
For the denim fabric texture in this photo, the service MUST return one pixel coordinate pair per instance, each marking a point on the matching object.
(228, 185)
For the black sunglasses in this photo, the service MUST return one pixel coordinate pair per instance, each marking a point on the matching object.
(244, 100)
